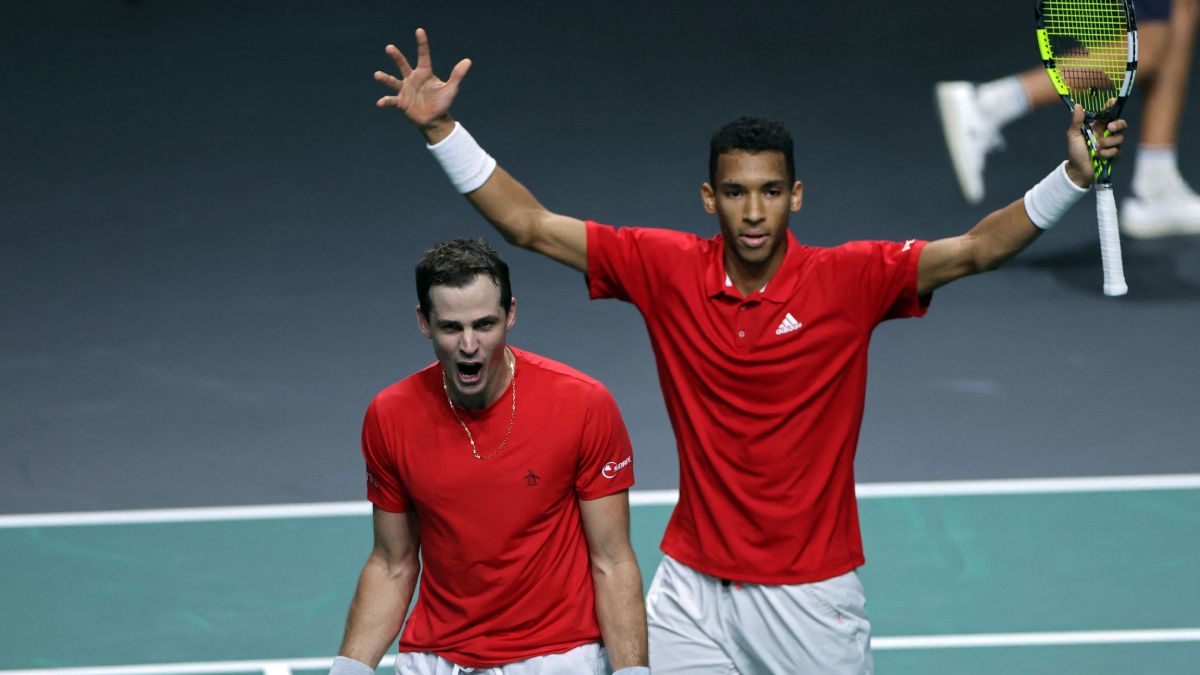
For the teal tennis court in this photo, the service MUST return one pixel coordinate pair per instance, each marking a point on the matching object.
(208, 237)
(1038, 576)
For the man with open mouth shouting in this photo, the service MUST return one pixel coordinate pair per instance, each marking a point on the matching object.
(517, 502)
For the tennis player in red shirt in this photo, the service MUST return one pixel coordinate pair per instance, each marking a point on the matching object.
(761, 345)
(509, 473)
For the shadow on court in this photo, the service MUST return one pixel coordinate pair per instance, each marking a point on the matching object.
(1158, 271)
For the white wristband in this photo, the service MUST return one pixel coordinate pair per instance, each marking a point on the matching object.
(1049, 200)
(347, 666)
(466, 164)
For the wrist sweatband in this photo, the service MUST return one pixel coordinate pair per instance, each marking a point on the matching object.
(633, 670)
(347, 666)
(466, 164)
(1049, 200)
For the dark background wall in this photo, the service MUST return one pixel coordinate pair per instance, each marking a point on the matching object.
(207, 232)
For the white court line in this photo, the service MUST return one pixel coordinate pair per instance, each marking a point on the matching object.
(636, 498)
(198, 514)
(1083, 637)
(955, 488)
(907, 642)
(267, 667)
(197, 668)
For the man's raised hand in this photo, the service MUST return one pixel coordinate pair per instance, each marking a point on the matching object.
(1080, 169)
(420, 95)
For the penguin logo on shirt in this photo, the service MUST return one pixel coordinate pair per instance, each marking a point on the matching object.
(531, 478)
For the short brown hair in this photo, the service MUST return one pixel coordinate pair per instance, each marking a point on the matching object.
(456, 263)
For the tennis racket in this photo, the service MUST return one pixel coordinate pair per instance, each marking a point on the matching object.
(1089, 48)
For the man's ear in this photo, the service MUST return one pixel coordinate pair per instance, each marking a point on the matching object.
(423, 323)
(797, 196)
(708, 197)
(511, 319)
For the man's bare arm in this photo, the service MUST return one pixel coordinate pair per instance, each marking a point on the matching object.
(385, 588)
(524, 222)
(1004, 233)
(617, 579)
(425, 100)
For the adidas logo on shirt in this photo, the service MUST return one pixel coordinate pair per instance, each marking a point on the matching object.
(788, 325)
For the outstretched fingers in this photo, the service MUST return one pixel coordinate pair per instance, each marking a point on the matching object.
(395, 84)
(417, 91)
(390, 81)
(399, 60)
(459, 72)
(423, 60)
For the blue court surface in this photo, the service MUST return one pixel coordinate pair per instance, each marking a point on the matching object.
(1037, 576)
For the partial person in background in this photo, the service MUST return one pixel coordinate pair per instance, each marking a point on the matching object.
(1162, 203)
(761, 344)
(518, 504)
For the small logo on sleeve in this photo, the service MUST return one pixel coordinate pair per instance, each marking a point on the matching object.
(373, 482)
(908, 244)
(610, 470)
(788, 325)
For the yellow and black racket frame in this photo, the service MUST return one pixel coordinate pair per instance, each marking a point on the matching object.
(1120, 9)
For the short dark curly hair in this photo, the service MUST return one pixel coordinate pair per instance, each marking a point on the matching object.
(456, 263)
(751, 134)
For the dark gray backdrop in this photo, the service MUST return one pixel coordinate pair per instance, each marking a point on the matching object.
(209, 230)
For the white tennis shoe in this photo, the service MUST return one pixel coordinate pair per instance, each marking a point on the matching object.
(970, 136)
(1173, 211)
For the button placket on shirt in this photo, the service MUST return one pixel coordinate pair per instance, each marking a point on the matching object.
(743, 318)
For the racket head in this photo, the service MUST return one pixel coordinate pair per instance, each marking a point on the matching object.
(1089, 49)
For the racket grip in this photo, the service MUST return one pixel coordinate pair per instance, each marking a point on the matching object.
(1110, 241)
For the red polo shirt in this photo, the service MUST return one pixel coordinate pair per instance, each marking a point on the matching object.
(765, 393)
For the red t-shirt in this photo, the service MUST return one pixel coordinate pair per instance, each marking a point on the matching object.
(505, 569)
(765, 393)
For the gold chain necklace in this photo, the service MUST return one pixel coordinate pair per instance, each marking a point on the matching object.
(512, 371)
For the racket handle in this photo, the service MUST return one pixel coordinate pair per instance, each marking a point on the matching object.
(1110, 241)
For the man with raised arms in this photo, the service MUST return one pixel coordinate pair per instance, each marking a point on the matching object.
(761, 345)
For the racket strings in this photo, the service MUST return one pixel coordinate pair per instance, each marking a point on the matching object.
(1090, 48)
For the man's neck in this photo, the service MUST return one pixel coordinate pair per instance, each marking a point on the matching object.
(750, 277)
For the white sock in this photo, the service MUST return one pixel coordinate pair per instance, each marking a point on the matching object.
(1156, 171)
(1002, 100)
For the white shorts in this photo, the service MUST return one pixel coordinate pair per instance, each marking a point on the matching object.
(589, 659)
(702, 625)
